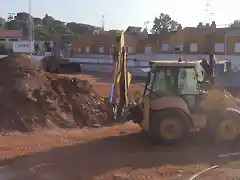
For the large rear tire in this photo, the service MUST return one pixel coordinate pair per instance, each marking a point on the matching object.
(169, 126)
(225, 130)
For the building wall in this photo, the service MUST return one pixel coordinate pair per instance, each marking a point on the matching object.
(95, 44)
(231, 43)
(189, 40)
(10, 35)
(131, 42)
(191, 37)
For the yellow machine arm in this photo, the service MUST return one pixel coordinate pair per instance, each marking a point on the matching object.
(122, 78)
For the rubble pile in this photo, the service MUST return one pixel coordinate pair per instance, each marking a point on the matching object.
(32, 98)
(219, 98)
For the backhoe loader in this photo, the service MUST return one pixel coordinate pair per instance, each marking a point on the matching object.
(178, 99)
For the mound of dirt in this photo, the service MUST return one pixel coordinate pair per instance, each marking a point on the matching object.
(219, 98)
(31, 98)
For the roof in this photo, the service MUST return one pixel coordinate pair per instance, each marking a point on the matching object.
(167, 63)
(202, 31)
(218, 31)
(10, 33)
(228, 31)
(133, 28)
(156, 38)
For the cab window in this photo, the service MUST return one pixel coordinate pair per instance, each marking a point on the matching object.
(161, 83)
(187, 81)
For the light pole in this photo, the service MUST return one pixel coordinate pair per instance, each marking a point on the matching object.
(225, 47)
(31, 30)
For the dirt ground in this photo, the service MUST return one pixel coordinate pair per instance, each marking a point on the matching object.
(119, 152)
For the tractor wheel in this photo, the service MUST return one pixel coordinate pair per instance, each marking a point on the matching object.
(225, 130)
(169, 126)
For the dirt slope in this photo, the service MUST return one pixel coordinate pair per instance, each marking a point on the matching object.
(31, 98)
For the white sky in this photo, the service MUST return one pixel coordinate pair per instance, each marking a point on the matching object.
(121, 13)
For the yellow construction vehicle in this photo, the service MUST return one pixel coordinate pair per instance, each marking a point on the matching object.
(177, 99)
(122, 78)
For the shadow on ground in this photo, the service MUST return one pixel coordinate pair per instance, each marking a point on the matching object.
(87, 160)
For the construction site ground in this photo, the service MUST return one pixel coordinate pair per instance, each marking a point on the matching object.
(115, 152)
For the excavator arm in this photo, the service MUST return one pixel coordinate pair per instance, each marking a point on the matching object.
(121, 77)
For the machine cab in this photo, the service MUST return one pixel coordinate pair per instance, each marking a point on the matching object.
(173, 78)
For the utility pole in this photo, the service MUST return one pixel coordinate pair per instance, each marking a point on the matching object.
(31, 29)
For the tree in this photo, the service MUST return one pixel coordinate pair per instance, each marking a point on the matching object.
(164, 23)
(236, 23)
(2, 22)
(20, 21)
(13, 25)
(47, 27)
(37, 21)
(23, 17)
(47, 20)
(79, 28)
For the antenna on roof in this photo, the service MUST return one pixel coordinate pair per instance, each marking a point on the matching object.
(208, 12)
(145, 25)
(103, 22)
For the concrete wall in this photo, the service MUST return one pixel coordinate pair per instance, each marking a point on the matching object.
(143, 60)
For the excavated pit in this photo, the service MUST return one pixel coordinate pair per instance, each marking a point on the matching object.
(60, 65)
(32, 98)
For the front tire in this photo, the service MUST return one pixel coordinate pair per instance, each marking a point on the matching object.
(169, 126)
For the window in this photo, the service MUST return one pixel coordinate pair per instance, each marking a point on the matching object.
(2, 39)
(178, 48)
(149, 83)
(181, 47)
(193, 47)
(187, 81)
(165, 47)
(13, 39)
(130, 50)
(148, 49)
(79, 50)
(219, 47)
(87, 49)
(237, 47)
(161, 82)
(101, 49)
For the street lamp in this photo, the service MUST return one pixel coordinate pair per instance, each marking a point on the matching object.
(31, 28)
(225, 47)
